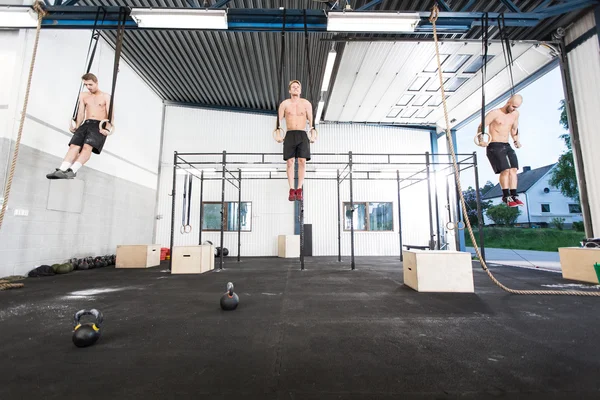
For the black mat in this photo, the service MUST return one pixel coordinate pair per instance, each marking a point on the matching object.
(324, 333)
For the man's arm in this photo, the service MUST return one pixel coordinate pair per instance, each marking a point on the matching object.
(489, 118)
(281, 113)
(309, 114)
(514, 131)
(80, 111)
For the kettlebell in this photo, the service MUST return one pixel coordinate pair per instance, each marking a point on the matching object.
(86, 334)
(230, 300)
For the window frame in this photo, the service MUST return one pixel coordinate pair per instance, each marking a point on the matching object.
(574, 204)
(542, 208)
(226, 216)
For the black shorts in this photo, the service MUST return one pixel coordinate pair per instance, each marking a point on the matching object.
(296, 145)
(501, 156)
(89, 133)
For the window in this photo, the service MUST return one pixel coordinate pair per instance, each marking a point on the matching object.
(476, 65)
(455, 83)
(405, 99)
(408, 113)
(375, 216)
(394, 112)
(574, 208)
(456, 63)
(433, 66)
(418, 83)
(545, 207)
(211, 220)
(423, 113)
(435, 85)
(421, 100)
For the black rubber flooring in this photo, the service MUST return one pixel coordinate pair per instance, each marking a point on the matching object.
(323, 333)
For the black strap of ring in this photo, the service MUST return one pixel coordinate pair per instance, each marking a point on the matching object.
(506, 50)
(189, 203)
(123, 13)
(281, 67)
(183, 212)
(90, 55)
(308, 66)
(484, 50)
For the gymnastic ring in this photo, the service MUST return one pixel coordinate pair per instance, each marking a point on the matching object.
(185, 229)
(310, 135)
(282, 134)
(105, 121)
(478, 141)
(450, 225)
(460, 225)
(72, 125)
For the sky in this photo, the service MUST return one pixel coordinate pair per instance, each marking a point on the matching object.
(539, 130)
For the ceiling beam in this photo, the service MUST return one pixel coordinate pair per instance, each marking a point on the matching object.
(511, 6)
(369, 5)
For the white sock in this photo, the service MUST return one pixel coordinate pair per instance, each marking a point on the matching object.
(64, 166)
(76, 165)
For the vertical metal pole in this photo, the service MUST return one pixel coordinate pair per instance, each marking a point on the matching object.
(173, 209)
(339, 218)
(224, 163)
(431, 234)
(479, 212)
(575, 139)
(450, 213)
(201, 206)
(399, 215)
(239, 214)
(302, 233)
(437, 209)
(352, 213)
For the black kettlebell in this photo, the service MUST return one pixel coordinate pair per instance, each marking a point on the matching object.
(230, 300)
(86, 334)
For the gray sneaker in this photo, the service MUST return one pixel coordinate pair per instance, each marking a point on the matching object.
(54, 175)
(69, 174)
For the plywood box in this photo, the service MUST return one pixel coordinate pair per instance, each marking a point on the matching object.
(193, 259)
(288, 246)
(138, 256)
(577, 263)
(438, 271)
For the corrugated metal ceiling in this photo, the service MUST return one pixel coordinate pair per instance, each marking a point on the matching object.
(241, 69)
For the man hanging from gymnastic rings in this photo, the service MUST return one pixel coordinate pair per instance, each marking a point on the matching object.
(89, 132)
(502, 122)
(297, 113)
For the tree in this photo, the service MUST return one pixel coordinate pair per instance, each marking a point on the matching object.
(563, 176)
(501, 214)
(471, 202)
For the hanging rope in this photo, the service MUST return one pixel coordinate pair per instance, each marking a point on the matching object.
(484, 50)
(433, 19)
(37, 6)
(506, 51)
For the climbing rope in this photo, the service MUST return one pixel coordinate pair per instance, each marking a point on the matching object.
(433, 18)
(37, 6)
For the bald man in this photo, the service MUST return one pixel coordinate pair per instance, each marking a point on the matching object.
(503, 122)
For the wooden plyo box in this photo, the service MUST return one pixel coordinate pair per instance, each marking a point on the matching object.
(138, 256)
(577, 263)
(193, 259)
(288, 246)
(438, 271)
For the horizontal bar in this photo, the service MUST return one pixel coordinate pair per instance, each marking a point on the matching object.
(257, 19)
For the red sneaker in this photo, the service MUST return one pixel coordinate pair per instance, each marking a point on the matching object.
(517, 201)
(510, 201)
(292, 195)
(299, 194)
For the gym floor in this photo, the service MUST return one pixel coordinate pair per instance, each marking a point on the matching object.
(324, 333)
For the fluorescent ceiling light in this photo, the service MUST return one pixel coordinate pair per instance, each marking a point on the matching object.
(163, 18)
(17, 17)
(319, 112)
(328, 70)
(372, 22)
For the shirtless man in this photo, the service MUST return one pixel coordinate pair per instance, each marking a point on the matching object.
(87, 135)
(502, 122)
(297, 112)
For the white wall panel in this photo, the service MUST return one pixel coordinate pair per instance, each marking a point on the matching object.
(202, 130)
(584, 63)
